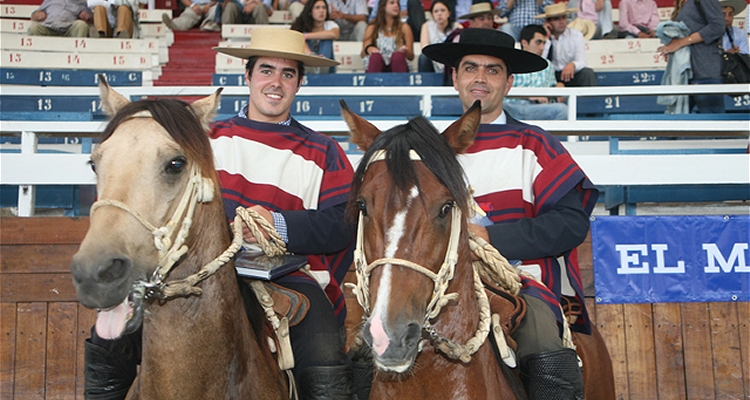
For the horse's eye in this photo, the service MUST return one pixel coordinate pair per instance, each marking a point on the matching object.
(362, 207)
(446, 209)
(92, 165)
(176, 165)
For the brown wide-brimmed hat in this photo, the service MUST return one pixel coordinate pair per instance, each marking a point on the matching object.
(486, 42)
(277, 42)
(556, 10)
(738, 5)
(479, 9)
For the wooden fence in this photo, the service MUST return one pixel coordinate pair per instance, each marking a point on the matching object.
(663, 351)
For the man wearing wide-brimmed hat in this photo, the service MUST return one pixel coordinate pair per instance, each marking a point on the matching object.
(520, 13)
(735, 39)
(537, 198)
(568, 48)
(480, 15)
(298, 180)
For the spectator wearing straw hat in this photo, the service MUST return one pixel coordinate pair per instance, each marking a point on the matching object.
(735, 39)
(566, 48)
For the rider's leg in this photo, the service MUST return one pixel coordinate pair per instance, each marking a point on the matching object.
(110, 365)
(322, 369)
(549, 370)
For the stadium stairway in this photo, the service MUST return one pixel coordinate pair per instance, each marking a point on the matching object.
(191, 59)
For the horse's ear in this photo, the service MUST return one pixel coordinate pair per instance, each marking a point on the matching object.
(460, 134)
(363, 132)
(111, 100)
(205, 109)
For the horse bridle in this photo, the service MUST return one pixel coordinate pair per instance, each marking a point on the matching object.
(199, 189)
(441, 280)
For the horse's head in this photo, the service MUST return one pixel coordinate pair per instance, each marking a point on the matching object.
(153, 166)
(410, 194)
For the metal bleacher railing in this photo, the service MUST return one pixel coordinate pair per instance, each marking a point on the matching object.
(710, 162)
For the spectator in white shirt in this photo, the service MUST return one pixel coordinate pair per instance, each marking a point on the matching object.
(566, 48)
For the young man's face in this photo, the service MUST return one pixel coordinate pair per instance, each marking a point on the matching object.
(536, 45)
(484, 78)
(481, 21)
(273, 84)
(728, 16)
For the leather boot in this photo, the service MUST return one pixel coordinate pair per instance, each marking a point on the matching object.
(552, 375)
(110, 367)
(327, 383)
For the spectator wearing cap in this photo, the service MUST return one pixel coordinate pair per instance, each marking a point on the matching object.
(566, 48)
(735, 39)
(61, 18)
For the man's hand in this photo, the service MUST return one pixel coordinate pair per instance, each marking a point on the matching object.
(38, 16)
(85, 16)
(567, 73)
(247, 234)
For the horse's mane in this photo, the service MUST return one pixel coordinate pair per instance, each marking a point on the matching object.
(179, 120)
(421, 136)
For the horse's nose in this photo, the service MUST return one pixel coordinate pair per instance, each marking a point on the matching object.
(411, 335)
(105, 271)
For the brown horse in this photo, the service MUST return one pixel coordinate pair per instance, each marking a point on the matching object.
(415, 278)
(156, 179)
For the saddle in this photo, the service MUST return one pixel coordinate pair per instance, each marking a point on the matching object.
(284, 308)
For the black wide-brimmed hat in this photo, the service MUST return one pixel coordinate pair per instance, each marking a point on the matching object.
(486, 42)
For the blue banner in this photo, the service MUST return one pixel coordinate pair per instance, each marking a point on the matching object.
(671, 259)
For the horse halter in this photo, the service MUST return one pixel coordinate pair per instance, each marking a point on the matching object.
(441, 280)
(199, 190)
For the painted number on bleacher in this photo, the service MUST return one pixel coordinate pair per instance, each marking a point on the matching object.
(44, 104)
(14, 57)
(9, 10)
(73, 59)
(366, 106)
(80, 44)
(26, 42)
(644, 77)
(658, 58)
(19, 26)
(358, 80)
(126, 45)
(612, 102)
(45, 76)
(118, 60)
(415, 80)
(96, 105)
(238, 104)
(740, 101)
(607, 59)
(303, 106)
(634, 44)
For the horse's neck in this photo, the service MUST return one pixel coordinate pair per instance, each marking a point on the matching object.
(187, 337)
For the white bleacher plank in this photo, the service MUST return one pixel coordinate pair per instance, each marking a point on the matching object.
(280, 17)
(346, 47)
(81, 45)
(235, 44)
(17, 10)
(623, 45)
(72, 60)
(145, 15)
(244, 31)
(226, 64)
(8, 25)
(625, 61)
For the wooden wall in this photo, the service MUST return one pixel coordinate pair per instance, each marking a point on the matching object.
(662, 351)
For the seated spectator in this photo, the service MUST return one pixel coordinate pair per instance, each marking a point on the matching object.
(319, 32)
(255, 12)
(61, 18)
(735, 39)
(481, 15)
(351, 16)
(412, 13)
(388, 42)
(434, 31)
(588, 11)
(293, 6)
(195, 12)
(520, 13)
(638, 18)
(566, 48)
(107, 14)
(533, 39)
